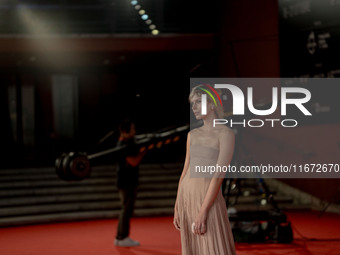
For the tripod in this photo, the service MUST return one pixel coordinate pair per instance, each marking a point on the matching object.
(242, 157)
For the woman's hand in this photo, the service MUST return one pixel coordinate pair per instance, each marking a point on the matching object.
(176, 219)
(200, 223)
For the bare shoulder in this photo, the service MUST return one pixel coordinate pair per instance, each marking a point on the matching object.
(193, 132)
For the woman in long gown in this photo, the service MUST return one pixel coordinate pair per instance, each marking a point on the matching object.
(200, 211)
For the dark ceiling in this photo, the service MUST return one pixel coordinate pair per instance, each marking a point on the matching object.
(107, 16)
(60, 33)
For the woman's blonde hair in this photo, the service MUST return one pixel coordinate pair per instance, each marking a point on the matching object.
(213, 97)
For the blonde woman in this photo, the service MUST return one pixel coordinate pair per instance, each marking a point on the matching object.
(200, 211)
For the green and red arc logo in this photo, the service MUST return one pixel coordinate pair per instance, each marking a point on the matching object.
(209, 93)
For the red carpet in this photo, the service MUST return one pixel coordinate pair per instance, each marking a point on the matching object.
(313, 236)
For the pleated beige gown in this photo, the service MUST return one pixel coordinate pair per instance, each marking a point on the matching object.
(218, 240)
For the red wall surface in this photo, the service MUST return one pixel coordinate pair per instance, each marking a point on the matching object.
(249, 47)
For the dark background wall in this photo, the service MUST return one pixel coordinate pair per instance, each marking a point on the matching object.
(250, 47)
(130, 72)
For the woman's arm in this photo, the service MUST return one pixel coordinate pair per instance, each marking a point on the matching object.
(184, 171)
(186, 162)
(226, 143)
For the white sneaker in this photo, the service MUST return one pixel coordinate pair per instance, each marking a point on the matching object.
(126, 242)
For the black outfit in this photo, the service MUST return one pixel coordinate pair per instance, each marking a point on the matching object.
(127, 182)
